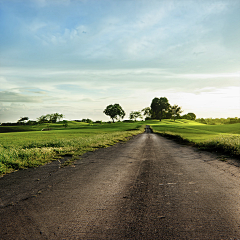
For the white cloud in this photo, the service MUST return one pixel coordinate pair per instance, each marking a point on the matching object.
(6, 96)
(5, 84)
(207, 75)
(61, 54)
(37, 25)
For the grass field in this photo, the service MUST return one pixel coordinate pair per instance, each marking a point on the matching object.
(221, 138)
(27, 146)
(33, 148)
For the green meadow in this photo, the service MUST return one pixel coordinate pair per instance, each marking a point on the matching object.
(28, 146)
(219, 138)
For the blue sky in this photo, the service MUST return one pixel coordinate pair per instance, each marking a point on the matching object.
(76, 57)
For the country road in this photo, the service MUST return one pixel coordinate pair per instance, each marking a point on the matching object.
(147, 188)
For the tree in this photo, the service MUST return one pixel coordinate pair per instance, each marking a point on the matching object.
(65, 123)
(54, 117)
(135, 114)
(87, 120)
(176, 110)
(159, 107)
(42, 119)
(114, 111)
(50, 118)
(189, 116)
(147, 112)
(23, 120)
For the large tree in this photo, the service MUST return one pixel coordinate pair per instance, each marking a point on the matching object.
(160, 107)
(114, 111)
(135, 114)
(189, 116)
(147, 112)
(176, 110)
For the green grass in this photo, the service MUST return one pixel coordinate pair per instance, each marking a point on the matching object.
(28, 146)
(218, 138)
(19, 150)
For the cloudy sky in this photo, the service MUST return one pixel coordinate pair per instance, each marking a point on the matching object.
(76, 57)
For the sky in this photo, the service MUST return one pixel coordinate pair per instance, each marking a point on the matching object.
(75, 57)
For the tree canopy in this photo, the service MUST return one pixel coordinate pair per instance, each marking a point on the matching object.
(114, 111)
(135, 114)
(176, 110)
(147, 112)
(50, 118)
(160, 108)
(189, 116)
(23, 120)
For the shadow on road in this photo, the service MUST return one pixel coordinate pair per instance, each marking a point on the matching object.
(148, 129)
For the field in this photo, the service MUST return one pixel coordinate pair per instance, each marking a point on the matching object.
(32, 148)
(27, 146)
(219, 138)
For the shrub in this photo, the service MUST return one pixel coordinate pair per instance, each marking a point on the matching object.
(224, 144)
(99, 121)
(218, 121)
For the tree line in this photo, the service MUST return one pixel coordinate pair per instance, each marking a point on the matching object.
(48, 118)
(160, 108)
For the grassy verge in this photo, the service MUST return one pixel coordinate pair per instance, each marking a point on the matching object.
(19, 150)
(224, 144)
(220, 138)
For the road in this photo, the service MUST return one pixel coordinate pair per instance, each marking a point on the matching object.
(147, 188)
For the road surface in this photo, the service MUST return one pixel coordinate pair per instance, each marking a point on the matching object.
(146, 188)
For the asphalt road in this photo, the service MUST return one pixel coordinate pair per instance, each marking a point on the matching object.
(147, 188)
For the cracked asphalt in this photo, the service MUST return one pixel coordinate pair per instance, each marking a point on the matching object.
(147, 188)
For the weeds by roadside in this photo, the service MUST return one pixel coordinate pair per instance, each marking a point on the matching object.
(225, 144)
(35, 153)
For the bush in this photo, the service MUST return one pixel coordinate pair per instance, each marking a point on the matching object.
(129, 121)
(224, 144)
(87, 120)
(218, 121)
(189, 116)
(100, 122)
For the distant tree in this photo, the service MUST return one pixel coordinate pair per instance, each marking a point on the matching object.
(135, 114)
(114, 111)
(65, 123)
(176, 110)
(23, 120)
(147, 112)
(54, 117)
(50, 118)
(201, 120)
(87, 120)
(159, 107)
(99, 121)
(42, 119)
(189, 116)
(31, 122)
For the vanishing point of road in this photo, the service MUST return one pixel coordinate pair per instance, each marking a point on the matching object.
(147, 188)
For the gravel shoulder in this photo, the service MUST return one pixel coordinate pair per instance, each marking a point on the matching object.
(147, 188)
